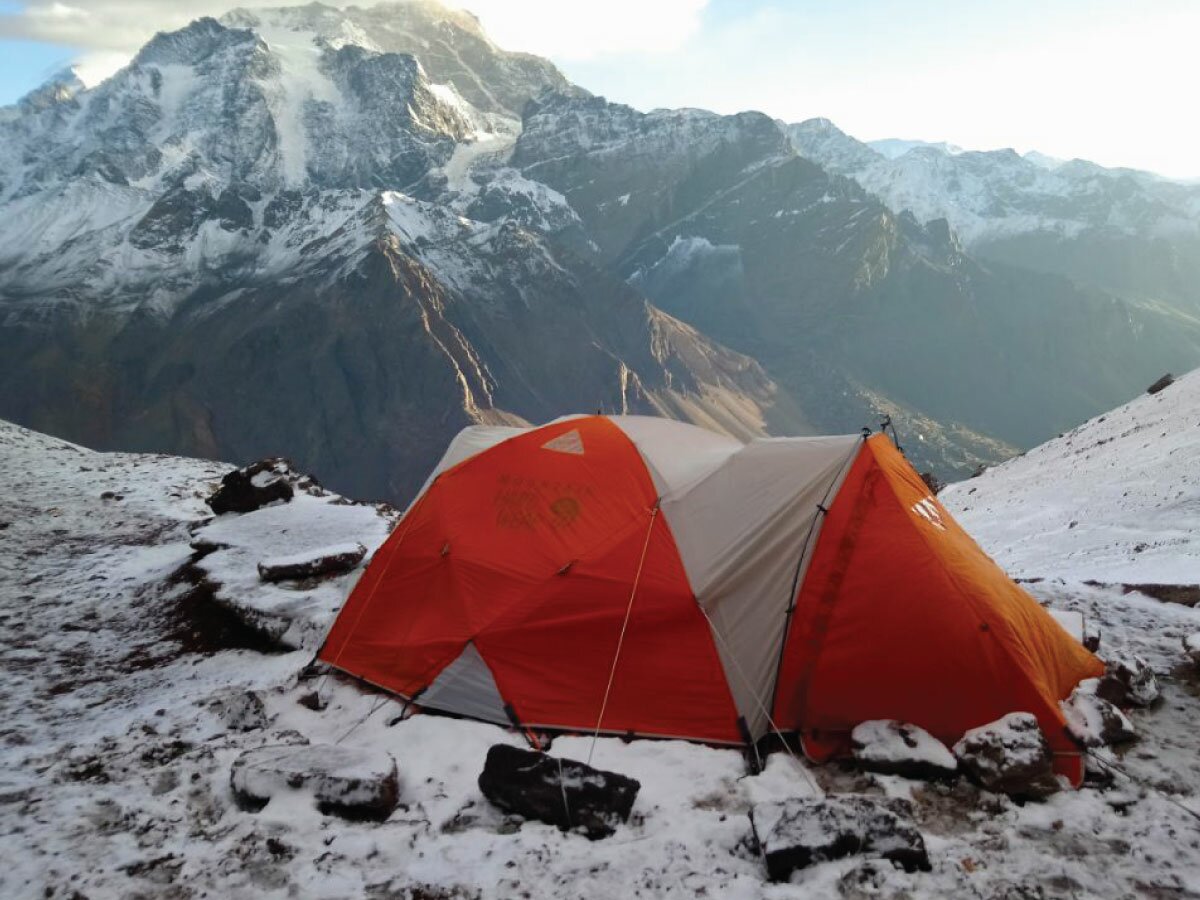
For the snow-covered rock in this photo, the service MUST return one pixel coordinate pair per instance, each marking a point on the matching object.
(796, 833)
(353, 782)
(898, 748)
(1191, 646)
(239, 710)
(561, 792)
(1009, 756)
(1128, 681)
(321, 562)
(1092, 720)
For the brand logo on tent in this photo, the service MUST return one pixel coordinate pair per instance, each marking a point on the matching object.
(927, 509)
(567, 442)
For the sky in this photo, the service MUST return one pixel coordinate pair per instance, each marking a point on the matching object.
(1112, 81)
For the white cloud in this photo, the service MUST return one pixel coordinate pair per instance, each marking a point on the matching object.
(577, 30)
(560, 28)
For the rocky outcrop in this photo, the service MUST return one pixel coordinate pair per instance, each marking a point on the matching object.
(253, 487)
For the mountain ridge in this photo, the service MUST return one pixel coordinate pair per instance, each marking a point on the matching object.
(242, 175)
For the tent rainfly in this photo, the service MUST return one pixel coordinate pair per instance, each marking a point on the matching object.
(635, 575)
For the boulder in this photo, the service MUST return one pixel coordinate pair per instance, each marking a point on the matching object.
(1128, 681)
(1092, 720)
(897, 748)
(560, 792)
(1009, 756)
(326, 562)
(352, 782)
(799, 832)
(253, 487)
(1191, 646)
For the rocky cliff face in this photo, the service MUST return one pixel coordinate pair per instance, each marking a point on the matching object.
(343, 234)
(855, 309)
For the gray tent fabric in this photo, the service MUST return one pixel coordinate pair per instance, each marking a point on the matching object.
(466, 687)
(745, 533)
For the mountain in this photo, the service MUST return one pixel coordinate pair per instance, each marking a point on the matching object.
(1129, 233)
(204, 254)
(343, 234)
(1115, 500)
(856, 310)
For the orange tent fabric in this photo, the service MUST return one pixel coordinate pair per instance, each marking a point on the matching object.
(643, 576)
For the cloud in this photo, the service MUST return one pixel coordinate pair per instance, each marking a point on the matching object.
(569, 30)
(586, 31)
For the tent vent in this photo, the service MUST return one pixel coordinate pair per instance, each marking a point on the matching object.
(568, 442)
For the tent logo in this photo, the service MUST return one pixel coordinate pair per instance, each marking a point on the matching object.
(927, 509)
(567, 442)
(565, 509)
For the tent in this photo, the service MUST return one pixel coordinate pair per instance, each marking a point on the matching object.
(641, 576)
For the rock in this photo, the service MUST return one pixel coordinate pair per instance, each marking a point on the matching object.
(559, 792)
(1128, 681)
(1191, 646)
(313, 700)
(239, 710)
(335, 560)
(1092, 720)
(352, 782)
(799, 832)
(897, 748)
(1165, 382)
(1009, 756)
(251, 488)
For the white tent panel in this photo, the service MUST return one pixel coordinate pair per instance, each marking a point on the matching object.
(741, 532)
(676, 453)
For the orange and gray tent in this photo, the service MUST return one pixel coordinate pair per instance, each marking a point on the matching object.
(641, 576)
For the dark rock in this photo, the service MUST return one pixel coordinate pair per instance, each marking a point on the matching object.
(1009, 756)
(312, 700)
(560, 792)
(318, 564)
(799, 832)
(897, 748)
(251, 488)
(932, 482)
(1165, 382)
(351, 782)
(1128, 681)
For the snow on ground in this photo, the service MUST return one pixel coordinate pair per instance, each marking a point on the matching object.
(115, 758)
(1115, 500)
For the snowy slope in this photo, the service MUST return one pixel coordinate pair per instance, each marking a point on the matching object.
(1115, 500)
(117, 745)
